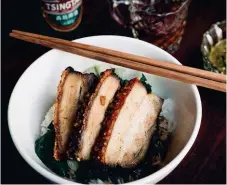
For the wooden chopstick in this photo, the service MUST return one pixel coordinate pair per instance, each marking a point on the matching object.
(66, 46)
(132, 57)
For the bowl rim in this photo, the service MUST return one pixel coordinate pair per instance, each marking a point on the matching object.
(167, 169)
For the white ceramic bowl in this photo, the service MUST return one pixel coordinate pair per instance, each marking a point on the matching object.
(36, 90)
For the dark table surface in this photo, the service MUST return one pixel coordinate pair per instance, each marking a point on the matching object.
(206, 161)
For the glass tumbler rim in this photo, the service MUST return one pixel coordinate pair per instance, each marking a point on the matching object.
(185, 3)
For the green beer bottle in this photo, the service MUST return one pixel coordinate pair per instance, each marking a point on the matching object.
(62, 15)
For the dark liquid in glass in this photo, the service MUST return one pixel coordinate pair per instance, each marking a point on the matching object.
(160, 22)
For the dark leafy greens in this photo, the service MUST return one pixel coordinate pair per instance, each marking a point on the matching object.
(123, 82)
(44, 150)
(143, 79)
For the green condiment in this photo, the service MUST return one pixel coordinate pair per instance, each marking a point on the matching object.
(217, 56)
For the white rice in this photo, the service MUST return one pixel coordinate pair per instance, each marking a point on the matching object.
(47, 120)
(169, 112)
(73, 165)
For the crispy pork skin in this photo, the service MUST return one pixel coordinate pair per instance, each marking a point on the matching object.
(94, 113)
(71, 89)
(128, 129)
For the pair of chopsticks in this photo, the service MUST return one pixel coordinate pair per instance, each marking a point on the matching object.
(168, 70)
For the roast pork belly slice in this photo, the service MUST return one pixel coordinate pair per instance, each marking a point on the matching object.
(128, 130)
(138, 137)
(94, 113)
(71, 89)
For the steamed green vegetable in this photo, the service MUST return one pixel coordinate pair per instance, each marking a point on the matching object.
(44, 150)
(143, 79)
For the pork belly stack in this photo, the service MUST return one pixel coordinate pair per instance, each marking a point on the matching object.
(127, 130)
(94, 113)
(71, 90)
(99, 118)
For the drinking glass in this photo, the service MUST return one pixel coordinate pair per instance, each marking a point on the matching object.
(162, 25)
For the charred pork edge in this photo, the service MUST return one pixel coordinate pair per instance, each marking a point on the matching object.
(57, 155)
(77, 126)
(77, 123)
(104, 75)
(101, 144)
